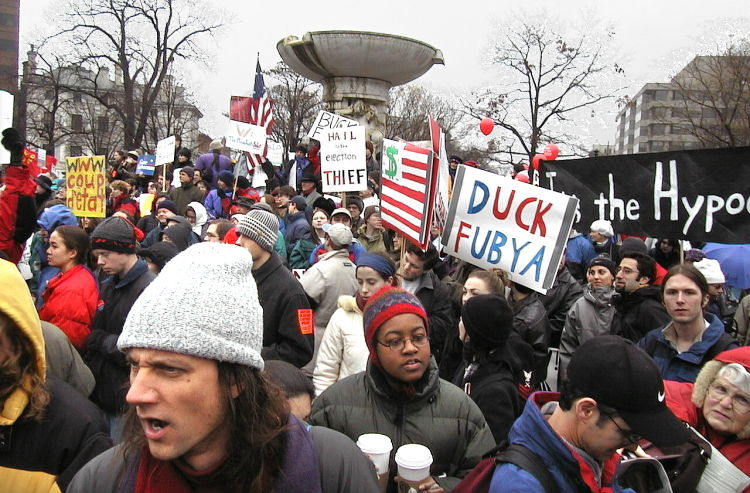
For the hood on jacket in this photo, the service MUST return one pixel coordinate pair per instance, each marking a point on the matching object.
(708, 373)
(201, 216)
(601, 296)
(179, 234)
(348, 303)
(16, 304)
(57, 215)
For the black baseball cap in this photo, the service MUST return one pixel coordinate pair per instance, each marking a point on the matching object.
(616, 373)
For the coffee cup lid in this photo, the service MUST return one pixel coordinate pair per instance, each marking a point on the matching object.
(374, 443)
(413, 456)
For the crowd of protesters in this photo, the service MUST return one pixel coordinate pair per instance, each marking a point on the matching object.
(208, 335)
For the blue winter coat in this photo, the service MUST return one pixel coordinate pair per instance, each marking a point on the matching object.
(532, 431)
(212, 202)
(683, 367)
(296, 228)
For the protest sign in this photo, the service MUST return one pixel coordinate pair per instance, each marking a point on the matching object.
(407, 190)
(146, 164)
(342, 159)
(275, 153)
(701, 195)
(165, 151)
(440, 160)
(325, 121)
(246, 137)
(86, 185)
(497, 222)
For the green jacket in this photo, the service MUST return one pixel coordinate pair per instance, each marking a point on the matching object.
(374, 243)
(439, 416)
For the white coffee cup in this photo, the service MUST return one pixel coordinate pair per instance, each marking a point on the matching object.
(413, 462)
(378, 448)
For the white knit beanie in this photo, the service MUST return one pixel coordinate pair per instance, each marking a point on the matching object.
(167, 317)
(711, 270)
(603, 227)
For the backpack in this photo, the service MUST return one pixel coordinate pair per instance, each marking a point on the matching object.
(479, 479)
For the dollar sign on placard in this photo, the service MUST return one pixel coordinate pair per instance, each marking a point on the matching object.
(391, 153)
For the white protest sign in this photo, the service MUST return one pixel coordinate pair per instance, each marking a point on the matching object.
(165, 151)
(326, 120)
(275, 152)
(497, 222)
(342, 159)
(246, 137)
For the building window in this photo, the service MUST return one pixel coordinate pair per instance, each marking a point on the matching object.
(659, 129)
(661, 95)
(709, 113)
(76, 97)
(177, 113)
(102, 151)
(75, 151)
(102, 123)
(76, 123)
(49, 93)
(658, 113)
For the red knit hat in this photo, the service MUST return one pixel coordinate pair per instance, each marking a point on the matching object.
(388, 302)
(231, 236)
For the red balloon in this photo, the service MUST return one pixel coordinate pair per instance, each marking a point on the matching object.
(523, 176)
(551, 151)
(535, 160)
(487, 125)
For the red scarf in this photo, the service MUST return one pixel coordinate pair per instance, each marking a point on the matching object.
(155, 475)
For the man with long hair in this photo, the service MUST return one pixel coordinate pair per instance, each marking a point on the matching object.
(202, 417)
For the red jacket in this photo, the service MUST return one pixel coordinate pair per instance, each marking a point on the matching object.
(678, 401)
(70, 301)
(17, 211)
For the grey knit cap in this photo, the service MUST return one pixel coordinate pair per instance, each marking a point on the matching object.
(260, 226)
(166, 317)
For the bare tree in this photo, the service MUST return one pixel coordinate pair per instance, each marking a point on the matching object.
(410, 107)
(172, 114)
(547, 82)
(47, 103)
(713, 95)
(140, 40)
(296, 103)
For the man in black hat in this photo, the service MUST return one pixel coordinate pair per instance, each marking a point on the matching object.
(614, 396)
(113, 243)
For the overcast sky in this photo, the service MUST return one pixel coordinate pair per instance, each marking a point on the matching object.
(652, 37)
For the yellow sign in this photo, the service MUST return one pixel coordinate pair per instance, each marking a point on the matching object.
(86, 184)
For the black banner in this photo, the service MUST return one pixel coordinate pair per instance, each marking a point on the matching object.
(701, 195)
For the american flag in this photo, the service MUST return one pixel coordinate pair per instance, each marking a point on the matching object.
(406, 190)
(257, 110)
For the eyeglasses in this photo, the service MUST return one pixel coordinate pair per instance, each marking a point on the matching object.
(420, 340)
(740, 402)
(629, 435)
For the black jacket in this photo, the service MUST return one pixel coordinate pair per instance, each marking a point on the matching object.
(493, 386)
(530, 322)
(558, 300)
(638, 313)
(436, 301)
(71, 433)
(107, 363)
(288, 324)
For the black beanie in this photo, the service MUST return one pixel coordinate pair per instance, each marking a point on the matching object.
(604, 262)
(488, 320)
(159, 253)
(115, 234)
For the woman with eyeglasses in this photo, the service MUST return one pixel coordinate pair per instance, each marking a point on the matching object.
(717, 405)
(401, 396)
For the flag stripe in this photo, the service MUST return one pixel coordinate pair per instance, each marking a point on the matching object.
(417, 149)
(413, 194)
(415, 164)
(403, 227)
(418, 179)
(401, 206)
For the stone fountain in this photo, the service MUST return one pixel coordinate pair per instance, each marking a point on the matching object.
(357, 69)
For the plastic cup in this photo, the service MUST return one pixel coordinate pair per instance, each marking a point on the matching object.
(378, 448)
(413, 462)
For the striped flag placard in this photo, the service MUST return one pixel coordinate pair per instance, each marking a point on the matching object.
(406, 190)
